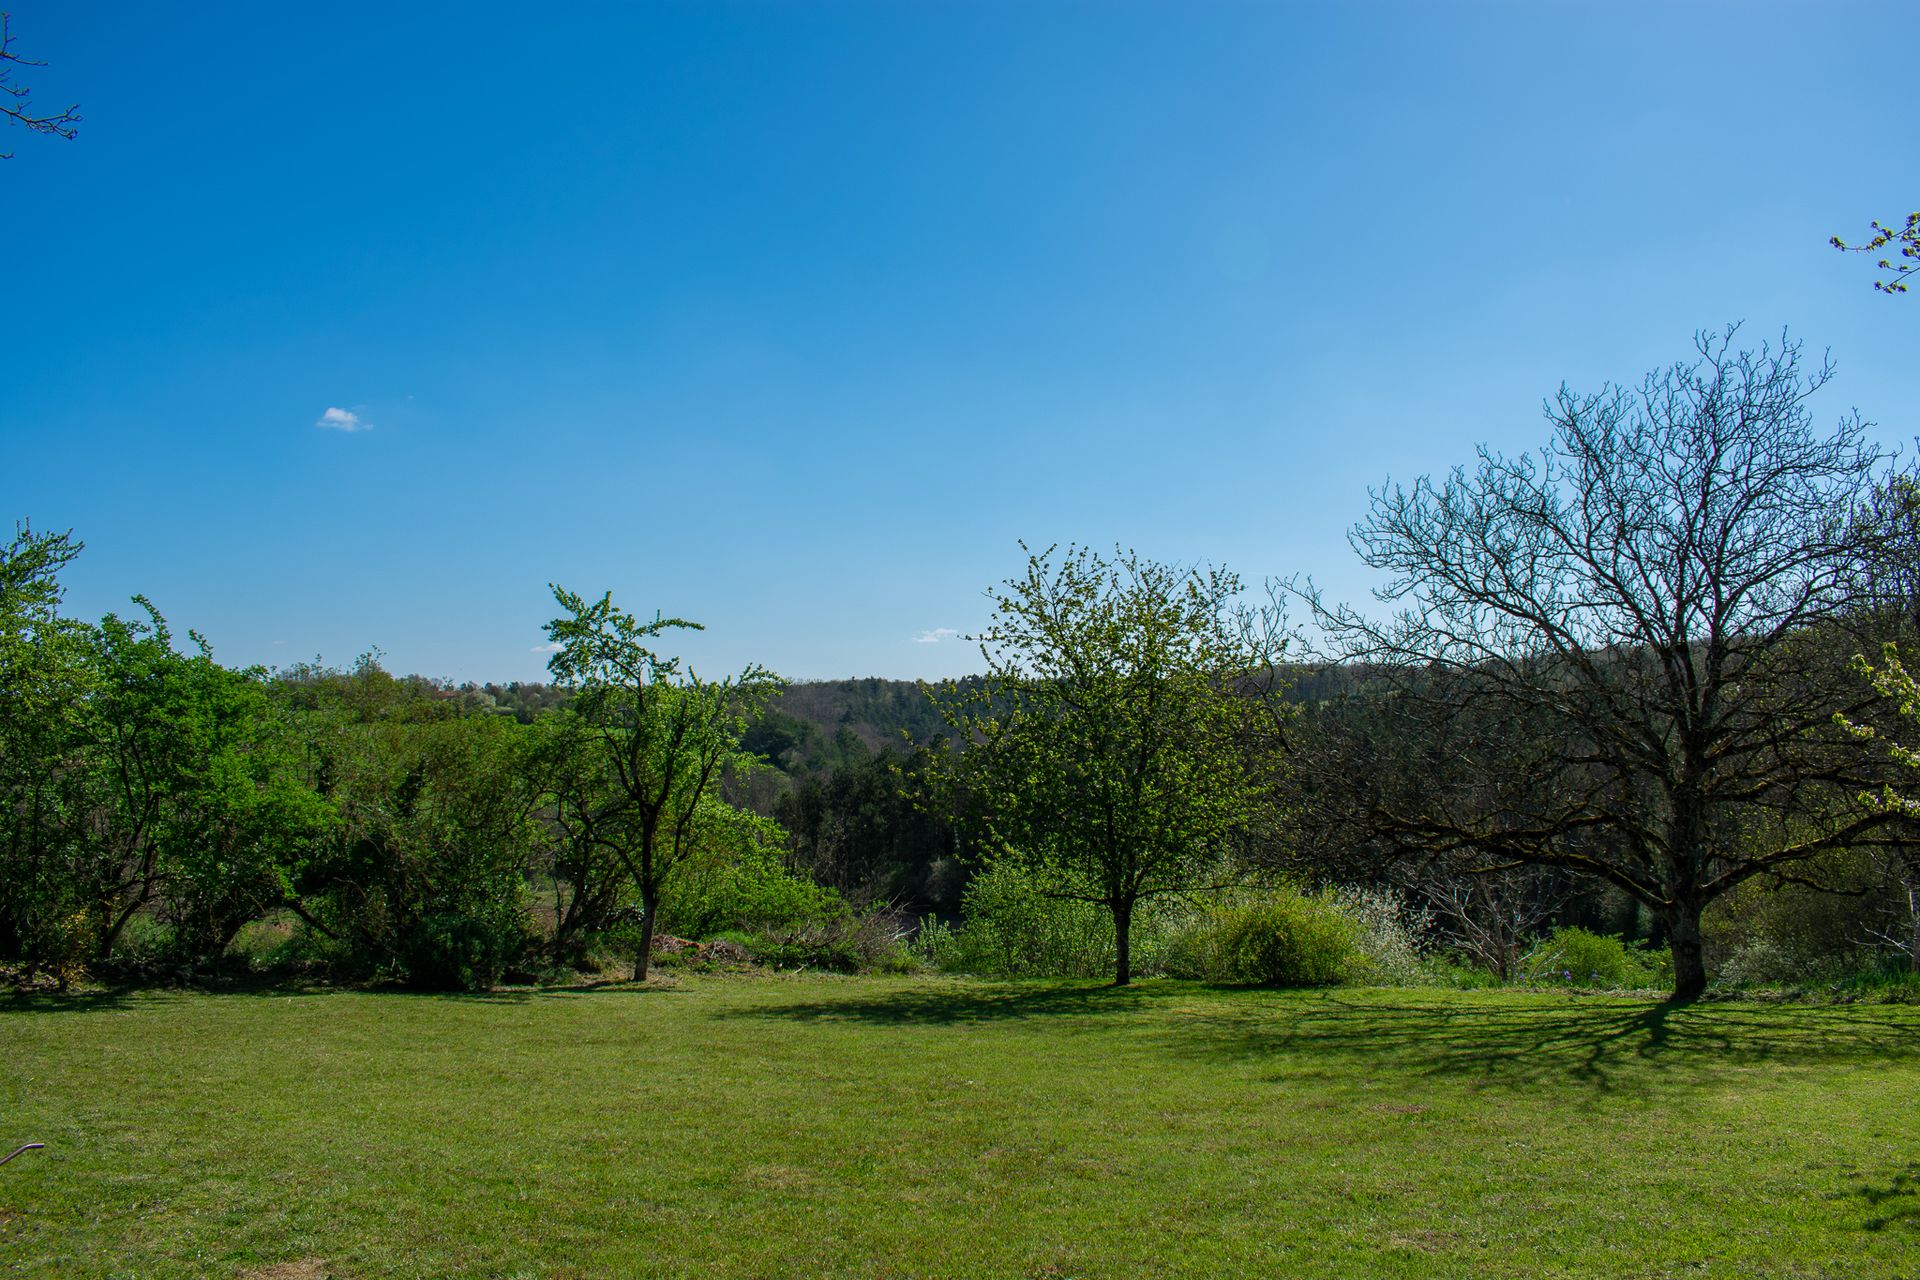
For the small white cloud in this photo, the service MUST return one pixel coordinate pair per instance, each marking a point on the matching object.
(552, 646)
(936, 635)
(342, 420)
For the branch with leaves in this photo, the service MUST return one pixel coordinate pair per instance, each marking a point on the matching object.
(1907, 237)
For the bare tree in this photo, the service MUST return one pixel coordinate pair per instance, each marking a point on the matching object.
(1624, 653)
(1492, 916)
(16, 100)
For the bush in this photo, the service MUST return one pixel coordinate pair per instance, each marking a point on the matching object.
(1013, 930)
(1388, 936)
(1280, 938)
(1574, 957)
(848, 943)
(936, 945)
(740, 884)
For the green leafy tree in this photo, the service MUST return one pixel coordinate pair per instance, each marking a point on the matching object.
(1125, 742)
(45, 673)
(422, 873)
(1900, 863)
(666, 736)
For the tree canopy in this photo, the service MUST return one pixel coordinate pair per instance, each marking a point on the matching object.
(1125, 741)
(1621, 651)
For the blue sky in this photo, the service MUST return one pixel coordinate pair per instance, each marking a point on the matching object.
(795, 318)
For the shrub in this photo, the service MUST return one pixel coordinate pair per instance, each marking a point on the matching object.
(936, 945)
(1280, 938)
(1013, 930)
(847, 943)
(1388, 936)
(1575, 957)
(741, 885)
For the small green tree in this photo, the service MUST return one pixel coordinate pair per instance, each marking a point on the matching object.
(45, 672)
(667, 736)
(1125, 742)
(1899, 863)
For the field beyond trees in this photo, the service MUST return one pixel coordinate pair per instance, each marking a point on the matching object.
(811, 1126)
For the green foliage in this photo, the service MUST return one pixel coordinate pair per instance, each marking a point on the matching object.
(1388, 936)
(422, 877)
(1276, 938)
(664, 739)
(1884, 234)
(876, 827)
(840, 942)
(1574, 957)
(1014, 929)
(1118, 746)
(45, 791)
(734, 881)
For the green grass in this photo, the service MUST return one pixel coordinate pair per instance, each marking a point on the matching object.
(914, 1127)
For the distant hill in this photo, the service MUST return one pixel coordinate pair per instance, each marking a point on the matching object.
(820, 724)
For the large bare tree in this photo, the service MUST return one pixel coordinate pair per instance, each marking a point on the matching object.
(1624, 654)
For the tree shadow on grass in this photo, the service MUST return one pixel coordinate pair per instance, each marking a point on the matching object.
(1501, 1039)
(62, 1001)
(969, 1005)
(1894, 1204)
(1581, 1041)
(278, 987)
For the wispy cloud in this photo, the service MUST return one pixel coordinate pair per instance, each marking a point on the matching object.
(936, 635)
(552, 646)
(342, 420)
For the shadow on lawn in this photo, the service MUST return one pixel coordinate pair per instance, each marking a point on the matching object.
(1503, 1039)
(1575, 1040)
(277, 987)
(1897, 1204)
(62, 1002)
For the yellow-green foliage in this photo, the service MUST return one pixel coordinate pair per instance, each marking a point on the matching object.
(1280, 939)
(1575, 957)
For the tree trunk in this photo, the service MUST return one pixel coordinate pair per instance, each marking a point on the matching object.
(1913, 918)
(641, 961)
(1122, 943)
(1682, 923)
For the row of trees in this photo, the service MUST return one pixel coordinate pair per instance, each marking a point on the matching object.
(1630, 659)
(145, 788)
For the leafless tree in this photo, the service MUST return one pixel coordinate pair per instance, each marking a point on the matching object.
(1625, 653)
(1492, 916)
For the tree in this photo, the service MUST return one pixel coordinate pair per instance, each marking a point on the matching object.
(1899, 866)
(666, 735)
(45, 670)
(1627, 650)
(1125, 740)
(16, 100)
(1907, 237)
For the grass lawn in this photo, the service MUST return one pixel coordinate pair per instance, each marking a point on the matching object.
(926, 1127)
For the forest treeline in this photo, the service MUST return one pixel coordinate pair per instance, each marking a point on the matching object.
(1641, 689)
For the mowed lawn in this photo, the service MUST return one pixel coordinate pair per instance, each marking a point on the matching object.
(923, 1127)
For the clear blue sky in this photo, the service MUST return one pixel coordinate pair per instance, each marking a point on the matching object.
(794, 318)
